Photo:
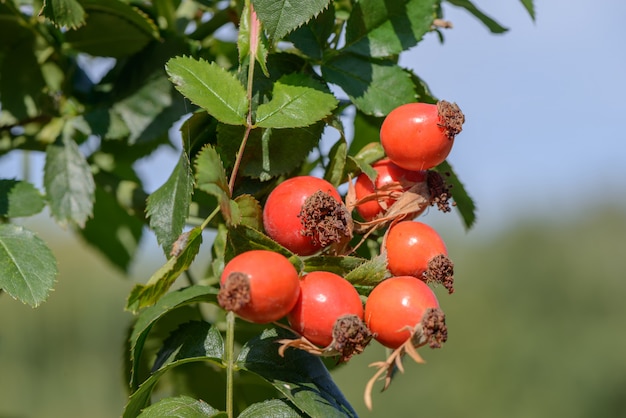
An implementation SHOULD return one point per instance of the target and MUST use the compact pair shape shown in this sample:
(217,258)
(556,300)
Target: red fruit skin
(324,297)
(274,284)
(280,214)
(412,138)
(410,246)
(388,173)
(394,304)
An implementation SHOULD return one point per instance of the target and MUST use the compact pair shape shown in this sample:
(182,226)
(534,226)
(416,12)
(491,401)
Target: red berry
(419,136)
(395,305)
(390,177)
(281,218)
(324,297)
(260,286)
(411,245)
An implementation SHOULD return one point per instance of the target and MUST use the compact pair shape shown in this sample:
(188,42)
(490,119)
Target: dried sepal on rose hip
(419,136)
(305,214)
(259,286)
(416,249)
(404,314)
(328,316)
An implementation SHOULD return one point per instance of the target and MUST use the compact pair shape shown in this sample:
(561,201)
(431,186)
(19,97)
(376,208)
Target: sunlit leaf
(210,87)
(27,266)
(283,16)
(271,408)
(297,100)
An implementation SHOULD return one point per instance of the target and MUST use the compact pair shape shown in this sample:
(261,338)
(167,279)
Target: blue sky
(543,103)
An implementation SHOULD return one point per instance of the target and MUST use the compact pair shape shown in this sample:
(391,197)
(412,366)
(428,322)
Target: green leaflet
(28,268)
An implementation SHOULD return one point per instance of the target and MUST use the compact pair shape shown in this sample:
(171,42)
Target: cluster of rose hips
(307,216)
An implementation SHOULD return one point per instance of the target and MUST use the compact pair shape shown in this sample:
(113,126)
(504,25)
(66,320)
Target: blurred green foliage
(536,330)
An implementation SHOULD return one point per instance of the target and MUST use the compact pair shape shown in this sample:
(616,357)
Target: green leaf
(243,238)
(250,211)
(337,155)
(184,251)
(491,24)
(192,342)
(64,13)
(283,16)
(210,87)
(211,178)
(168,206)
(287,148)
(27,266)
(275,408)
(370,273)
(181,406)
(375,86)
(112,229)
(297,101)
(69,184)
(340,265)
(19,198)
(381,28)
(530,7)
(366,131)
(312,38)
(300,376)
(464,203)
(148,317)
(133,29)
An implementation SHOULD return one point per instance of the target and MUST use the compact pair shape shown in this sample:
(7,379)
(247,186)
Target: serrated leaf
(464,203)
(530,7)
(312,39)
(375,86)
(152,314)
(19,198)
(112,230)
(297,101)
(369,273)
(287,148)
(380,28)
(183,254)
(250,211)
(491,24)
(211,178)
(243,238)
(275,408)
(69,184)
(192,342)
(168,206)
(133,29)
(300,376)
(279,17)
(27,267)
(180,406)
(211,87)
(64,13)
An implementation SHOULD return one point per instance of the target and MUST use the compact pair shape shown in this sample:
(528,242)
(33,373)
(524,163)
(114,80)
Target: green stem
(229,358)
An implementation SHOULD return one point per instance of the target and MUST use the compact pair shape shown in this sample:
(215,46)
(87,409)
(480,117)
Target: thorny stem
(229,355)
